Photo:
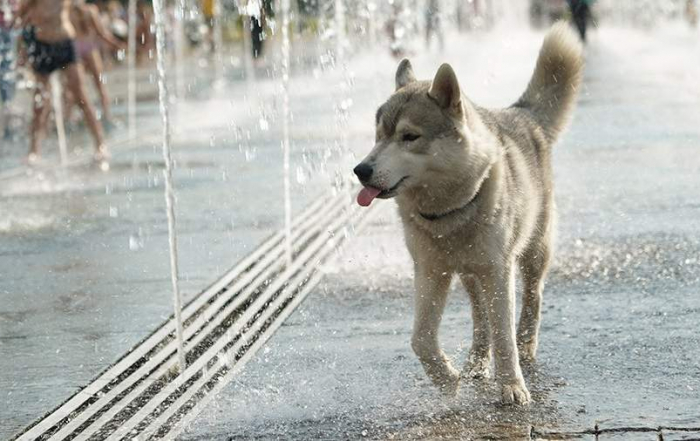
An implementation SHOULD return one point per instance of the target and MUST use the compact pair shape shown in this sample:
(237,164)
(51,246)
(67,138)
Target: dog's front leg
(499,290)
(478,362)
(432,285)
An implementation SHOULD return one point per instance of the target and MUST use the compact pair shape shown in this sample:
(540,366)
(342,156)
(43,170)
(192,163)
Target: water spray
(168,172)
(131,70)
(285,133)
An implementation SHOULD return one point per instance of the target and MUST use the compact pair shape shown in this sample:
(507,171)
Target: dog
(474,193)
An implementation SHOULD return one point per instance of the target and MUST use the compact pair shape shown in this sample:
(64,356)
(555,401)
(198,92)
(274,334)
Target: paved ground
(85,275)
(84,270)
(620,344)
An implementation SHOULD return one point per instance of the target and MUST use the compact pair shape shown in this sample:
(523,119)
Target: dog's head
(423,139)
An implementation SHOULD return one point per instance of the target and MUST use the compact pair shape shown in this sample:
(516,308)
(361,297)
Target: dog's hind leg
(432,286)
(534,264)
(479,359)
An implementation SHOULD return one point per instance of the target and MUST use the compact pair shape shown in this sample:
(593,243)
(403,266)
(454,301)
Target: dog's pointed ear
(445,89)
(404,74)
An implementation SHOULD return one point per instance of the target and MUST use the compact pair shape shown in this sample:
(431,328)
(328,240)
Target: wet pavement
(620,346)
(85,270)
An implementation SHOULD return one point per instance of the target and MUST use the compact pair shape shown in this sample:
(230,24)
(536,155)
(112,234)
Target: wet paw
(477,368)
(448,382)
(515,393)
(527,352)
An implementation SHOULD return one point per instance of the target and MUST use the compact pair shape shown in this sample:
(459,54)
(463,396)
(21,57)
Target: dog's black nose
(364,171)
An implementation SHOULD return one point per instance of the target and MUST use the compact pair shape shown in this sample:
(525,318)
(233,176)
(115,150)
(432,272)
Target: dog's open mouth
(368,194)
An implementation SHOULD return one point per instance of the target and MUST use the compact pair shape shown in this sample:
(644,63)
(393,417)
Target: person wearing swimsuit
(49,40)
(89,31)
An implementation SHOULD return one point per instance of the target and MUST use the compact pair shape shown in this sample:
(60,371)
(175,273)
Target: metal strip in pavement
(192,410)
(240,327)
(195,332)
(51,422)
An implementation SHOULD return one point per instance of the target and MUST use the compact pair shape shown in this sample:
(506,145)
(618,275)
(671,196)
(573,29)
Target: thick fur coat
(474,192)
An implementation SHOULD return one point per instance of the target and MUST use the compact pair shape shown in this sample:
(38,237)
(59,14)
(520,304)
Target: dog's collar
(438,216)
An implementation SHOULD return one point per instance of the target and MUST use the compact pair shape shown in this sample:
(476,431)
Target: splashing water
(285,133)
(158,11)
(131,62)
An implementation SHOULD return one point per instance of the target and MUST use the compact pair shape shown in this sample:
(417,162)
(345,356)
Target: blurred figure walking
(258,11)
(49,38)
(89,32)
(580,11)
(8,65)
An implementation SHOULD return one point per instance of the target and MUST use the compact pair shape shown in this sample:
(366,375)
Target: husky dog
(474,193)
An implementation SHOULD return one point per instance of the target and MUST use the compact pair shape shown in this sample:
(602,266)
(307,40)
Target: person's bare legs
(93,64)
(76,85)
(41,107)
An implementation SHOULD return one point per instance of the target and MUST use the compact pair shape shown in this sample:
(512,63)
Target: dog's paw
(448,382)
(477,368)
(515,393)
(449,389)
(527,352)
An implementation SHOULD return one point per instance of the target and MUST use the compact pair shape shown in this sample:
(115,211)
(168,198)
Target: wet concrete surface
(620,345)
(84,269)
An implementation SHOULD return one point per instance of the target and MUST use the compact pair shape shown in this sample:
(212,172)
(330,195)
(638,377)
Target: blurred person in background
(113,16)
(580,12)
(89,33)
(145,39)
(691,13)
(49,38)
(257,25)
(8,64)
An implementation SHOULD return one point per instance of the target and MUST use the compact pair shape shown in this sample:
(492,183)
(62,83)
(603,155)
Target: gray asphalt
(620,343)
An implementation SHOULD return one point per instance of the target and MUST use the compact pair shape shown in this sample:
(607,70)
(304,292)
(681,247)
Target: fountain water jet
(131,63)
(158,10)
(285,133)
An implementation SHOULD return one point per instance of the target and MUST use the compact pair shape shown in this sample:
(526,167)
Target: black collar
(434,217)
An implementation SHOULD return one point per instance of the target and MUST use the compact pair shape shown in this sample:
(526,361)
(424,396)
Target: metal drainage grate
(142,395)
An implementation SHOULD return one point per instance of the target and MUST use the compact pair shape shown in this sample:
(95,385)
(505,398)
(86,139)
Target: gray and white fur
(474,193)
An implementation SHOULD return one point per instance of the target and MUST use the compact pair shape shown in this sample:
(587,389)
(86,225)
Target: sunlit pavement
(85,272)
(620,346)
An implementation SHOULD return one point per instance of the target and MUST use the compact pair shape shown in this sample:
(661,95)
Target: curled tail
(553,87)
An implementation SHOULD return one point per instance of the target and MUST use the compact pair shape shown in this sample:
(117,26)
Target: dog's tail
(554,84)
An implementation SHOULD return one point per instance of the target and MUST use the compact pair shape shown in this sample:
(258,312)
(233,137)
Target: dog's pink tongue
(367,195)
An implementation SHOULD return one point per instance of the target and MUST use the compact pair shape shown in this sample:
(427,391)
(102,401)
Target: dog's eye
(408,137)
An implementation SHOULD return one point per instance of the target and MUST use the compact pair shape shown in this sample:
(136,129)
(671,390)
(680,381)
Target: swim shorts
(46,58)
